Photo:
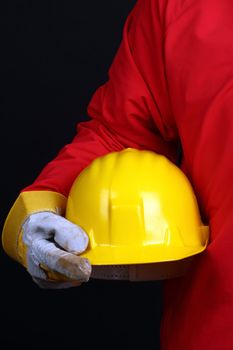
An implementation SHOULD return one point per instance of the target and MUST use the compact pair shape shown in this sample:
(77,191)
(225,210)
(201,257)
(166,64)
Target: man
(170,82)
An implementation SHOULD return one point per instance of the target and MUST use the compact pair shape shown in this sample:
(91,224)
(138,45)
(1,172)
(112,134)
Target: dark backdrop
(55,54)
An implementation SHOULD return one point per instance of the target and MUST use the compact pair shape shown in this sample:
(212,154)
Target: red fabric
(172,80)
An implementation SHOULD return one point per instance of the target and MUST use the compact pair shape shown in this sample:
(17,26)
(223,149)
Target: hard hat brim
(116,255)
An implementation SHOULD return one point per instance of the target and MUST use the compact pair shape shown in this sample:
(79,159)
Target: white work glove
(52,244)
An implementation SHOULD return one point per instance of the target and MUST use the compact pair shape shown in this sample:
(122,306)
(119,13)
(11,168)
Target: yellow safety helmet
(137,207)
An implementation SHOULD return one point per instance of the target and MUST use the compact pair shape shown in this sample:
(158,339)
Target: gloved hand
(52,244)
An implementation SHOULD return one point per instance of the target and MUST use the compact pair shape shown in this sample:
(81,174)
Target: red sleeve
(127,111)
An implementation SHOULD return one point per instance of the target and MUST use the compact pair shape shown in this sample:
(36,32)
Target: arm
(130,110)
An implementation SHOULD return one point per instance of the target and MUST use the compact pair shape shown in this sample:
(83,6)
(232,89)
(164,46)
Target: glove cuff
(26,204)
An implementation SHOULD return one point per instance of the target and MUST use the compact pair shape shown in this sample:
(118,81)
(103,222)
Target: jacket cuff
(26,204)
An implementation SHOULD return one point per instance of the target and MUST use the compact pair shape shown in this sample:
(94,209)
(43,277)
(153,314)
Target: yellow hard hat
(137,207)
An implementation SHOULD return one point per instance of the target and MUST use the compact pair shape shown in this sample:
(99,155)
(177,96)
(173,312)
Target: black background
(55,54)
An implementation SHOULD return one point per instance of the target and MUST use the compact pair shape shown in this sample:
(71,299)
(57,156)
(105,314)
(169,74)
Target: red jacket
(172,81)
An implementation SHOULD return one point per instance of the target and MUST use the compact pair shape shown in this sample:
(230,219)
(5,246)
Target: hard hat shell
(137,207)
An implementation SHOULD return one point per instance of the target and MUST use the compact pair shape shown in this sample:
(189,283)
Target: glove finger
(68,264)
(67,235)
(70,237)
